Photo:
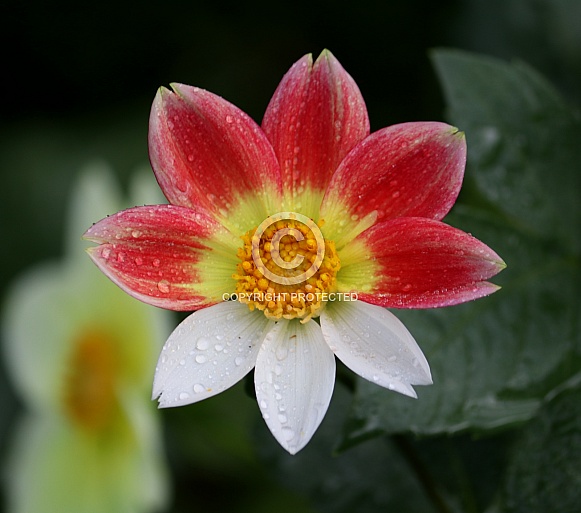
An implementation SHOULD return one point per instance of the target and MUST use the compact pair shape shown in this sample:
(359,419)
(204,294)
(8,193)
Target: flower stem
(424,477)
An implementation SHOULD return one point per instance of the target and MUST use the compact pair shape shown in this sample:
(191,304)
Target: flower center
(89,394)
(288,269)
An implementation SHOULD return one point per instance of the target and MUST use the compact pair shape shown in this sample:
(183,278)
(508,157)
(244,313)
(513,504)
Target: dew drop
(199,388)
(407,287)
(163,286)
(392,358)
(202,344)
(138,261)
(184,396)
(229,119)
(106,253)
(282,418)
(239,360)
(201,358)
(281,353)
(156,262)
(288,433)
(277,369)
(395,194)
(263,404)
(219,347)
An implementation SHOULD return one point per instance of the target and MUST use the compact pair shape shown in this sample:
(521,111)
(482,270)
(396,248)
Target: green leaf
(494,360)
(523,141)
(544,474)
(373,477)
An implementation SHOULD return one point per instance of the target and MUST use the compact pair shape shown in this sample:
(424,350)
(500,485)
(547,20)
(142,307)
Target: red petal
(206,152)
(151,253)
(316,116)
(411,170)
(425,263)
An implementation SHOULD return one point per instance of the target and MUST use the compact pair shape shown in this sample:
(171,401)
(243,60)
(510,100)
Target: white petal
(208,352)
(294,379)
(373,342)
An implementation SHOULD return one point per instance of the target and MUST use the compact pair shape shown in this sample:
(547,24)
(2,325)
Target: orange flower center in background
(287,268)
(89,391)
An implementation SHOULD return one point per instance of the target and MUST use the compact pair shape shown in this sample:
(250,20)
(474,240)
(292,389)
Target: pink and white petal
(405,170)
(166,256)
(207,152)
(315,117)
(294,380)
(374,343)
(422,263)
(210,351)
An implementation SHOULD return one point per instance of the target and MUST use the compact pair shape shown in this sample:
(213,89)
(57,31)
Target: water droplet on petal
(163,286)
(136,233)
(201,358)
(198,388)
(281,353)
(184,396)
(239,361)
(202,344)
(156,262)
(288,433)
(282,418)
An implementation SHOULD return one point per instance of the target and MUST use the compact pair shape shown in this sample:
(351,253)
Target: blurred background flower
(499,429)
(81,358)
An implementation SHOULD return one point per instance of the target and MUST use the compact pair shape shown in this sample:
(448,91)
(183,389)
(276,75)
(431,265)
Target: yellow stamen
(276,298)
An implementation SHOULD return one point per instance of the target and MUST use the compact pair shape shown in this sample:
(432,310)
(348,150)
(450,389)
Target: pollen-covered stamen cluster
(291,273)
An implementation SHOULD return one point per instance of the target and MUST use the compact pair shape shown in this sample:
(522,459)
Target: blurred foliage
(80,80)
